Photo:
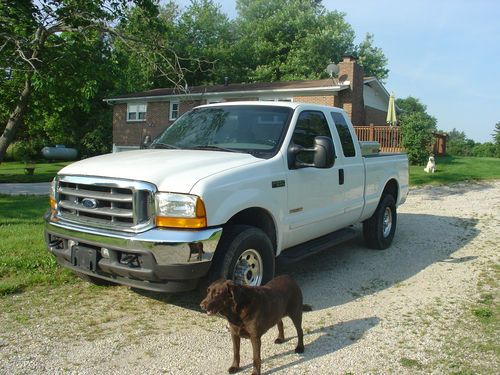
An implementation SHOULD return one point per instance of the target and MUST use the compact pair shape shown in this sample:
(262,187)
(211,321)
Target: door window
(310,124)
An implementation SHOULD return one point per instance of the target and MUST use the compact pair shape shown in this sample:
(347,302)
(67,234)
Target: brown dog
(251,311)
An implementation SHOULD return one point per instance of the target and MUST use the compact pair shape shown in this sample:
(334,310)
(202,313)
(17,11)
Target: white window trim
(137,119)
(171,110)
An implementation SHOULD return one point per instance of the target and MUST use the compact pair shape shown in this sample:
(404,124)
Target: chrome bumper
(163,255)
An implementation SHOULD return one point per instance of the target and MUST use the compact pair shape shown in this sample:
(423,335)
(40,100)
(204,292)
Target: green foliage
(283,40)
(485,150)
(411,105)
(458,144)
(92,50)
(372,59)
(496,139)
(417,129)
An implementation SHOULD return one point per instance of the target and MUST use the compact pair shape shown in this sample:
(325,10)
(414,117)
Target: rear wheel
(245,255)
(379,229)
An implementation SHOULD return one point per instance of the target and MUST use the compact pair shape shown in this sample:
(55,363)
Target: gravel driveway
(383,312)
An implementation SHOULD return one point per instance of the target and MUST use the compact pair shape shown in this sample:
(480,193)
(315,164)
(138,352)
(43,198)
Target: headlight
(52,194)
(180,211)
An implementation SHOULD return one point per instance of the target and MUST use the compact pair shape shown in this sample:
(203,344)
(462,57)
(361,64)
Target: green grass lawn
(451,169)
(24,260)
(44,172)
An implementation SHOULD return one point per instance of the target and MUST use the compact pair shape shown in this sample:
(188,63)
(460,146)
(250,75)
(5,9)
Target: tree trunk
(16,117)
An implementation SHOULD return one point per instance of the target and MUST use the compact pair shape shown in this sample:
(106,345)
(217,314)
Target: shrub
(417,129)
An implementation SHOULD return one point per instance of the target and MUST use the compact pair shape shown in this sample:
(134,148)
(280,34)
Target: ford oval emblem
(89,203)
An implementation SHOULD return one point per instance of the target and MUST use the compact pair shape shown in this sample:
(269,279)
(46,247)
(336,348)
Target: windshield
(247,128)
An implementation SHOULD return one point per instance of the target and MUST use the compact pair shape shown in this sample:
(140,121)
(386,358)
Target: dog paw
(279,341)
(299,349)
(233,370)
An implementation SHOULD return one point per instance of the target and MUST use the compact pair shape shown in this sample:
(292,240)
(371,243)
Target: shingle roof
(232,87)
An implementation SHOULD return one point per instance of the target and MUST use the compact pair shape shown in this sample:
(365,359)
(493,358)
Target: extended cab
(225,191)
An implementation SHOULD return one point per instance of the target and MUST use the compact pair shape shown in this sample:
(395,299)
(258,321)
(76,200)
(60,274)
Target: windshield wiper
(213,148)
(163,145)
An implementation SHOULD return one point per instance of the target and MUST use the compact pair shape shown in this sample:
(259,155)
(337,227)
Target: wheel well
(391,188)
(259,218)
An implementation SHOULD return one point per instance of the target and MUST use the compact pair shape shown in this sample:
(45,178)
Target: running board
(299,252)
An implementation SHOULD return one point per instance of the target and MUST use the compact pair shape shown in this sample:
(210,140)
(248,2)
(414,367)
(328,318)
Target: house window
(174,111)
(136,112)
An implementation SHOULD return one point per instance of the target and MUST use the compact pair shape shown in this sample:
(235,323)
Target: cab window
(310,124)
(344,134)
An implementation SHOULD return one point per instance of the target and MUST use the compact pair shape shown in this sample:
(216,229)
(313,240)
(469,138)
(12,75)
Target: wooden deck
(389,137)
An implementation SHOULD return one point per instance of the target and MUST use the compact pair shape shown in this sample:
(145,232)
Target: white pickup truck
(225,191)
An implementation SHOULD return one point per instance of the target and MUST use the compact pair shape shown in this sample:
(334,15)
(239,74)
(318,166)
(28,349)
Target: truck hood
(170,170)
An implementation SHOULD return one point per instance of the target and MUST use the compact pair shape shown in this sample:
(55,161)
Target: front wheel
(379,229)
(245,255)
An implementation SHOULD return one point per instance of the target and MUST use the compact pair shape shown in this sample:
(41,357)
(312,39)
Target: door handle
(341,176)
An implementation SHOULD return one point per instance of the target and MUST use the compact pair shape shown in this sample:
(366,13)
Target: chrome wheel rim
(249,268)
(387,222)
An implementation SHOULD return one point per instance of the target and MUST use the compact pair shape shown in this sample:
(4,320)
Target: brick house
(149,112)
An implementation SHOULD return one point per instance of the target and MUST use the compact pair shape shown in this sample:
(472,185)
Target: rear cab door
(352,172)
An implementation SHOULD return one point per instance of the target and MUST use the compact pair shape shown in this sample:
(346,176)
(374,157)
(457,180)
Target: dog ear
(239,295)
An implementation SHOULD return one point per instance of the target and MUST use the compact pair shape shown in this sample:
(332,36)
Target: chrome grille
(107,203)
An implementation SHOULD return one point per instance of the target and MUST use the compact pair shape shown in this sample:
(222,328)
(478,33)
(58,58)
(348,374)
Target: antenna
(332,69)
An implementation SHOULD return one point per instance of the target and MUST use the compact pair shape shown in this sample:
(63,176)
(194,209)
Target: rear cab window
(344,134)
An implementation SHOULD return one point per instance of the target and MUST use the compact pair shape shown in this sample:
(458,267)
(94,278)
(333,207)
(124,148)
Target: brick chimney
(351,99)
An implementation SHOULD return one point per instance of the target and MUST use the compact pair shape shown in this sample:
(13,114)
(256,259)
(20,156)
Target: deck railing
(389,137)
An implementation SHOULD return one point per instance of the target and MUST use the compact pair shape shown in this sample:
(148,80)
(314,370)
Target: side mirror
(323,154)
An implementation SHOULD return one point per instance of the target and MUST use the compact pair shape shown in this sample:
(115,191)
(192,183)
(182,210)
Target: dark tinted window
(310,124)
(344,134)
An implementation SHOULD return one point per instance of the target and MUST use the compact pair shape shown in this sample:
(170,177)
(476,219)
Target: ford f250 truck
(225,191)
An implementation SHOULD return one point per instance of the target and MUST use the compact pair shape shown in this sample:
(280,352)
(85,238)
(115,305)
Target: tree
(281,40)
(417,129)
(32,31)
(372,58)
(484,150)
(411,105)
(496,139)
(206,35)
(458,144)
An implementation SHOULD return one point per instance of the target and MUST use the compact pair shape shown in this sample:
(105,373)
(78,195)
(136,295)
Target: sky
(445,53)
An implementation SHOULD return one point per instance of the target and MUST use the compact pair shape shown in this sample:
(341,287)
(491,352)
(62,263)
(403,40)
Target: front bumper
(160,260)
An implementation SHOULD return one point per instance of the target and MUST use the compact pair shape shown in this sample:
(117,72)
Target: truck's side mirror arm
(324,154)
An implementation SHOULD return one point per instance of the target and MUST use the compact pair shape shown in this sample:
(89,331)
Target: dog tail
(307,308)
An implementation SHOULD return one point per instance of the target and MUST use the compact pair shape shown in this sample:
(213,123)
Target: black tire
(245,255)
(94,280)
(379,229)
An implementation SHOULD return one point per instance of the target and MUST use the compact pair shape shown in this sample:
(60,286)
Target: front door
(315,200)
